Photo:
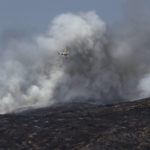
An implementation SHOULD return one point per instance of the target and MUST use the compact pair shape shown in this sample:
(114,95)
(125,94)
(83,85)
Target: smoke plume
(102,66)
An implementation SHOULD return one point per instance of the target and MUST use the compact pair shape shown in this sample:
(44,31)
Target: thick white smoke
(99,67)
(31,72)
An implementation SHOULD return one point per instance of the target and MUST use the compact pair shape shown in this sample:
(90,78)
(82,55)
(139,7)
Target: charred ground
(78,126)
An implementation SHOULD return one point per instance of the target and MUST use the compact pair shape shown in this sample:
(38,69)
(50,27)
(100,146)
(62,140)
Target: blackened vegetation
(78,126)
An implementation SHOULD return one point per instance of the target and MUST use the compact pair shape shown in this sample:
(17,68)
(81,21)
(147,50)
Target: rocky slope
(78,126)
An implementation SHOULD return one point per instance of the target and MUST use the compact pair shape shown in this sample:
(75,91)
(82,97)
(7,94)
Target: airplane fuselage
(65,53)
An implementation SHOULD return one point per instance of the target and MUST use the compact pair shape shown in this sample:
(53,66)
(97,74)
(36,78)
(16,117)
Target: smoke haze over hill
(103,65)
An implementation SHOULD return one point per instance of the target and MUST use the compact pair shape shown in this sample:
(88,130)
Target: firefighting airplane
(64,53)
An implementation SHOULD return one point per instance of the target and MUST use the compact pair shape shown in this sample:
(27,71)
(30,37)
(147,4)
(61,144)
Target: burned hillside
(78,126)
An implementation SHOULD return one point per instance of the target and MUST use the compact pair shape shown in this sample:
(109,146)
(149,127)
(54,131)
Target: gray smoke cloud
(102,66)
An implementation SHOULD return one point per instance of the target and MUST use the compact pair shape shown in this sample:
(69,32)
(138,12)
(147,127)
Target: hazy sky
(37,14)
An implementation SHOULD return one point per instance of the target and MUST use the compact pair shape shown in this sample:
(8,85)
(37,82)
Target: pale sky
(37,14)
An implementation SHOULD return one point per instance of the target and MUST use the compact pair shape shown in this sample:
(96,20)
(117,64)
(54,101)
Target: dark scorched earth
(78,126)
